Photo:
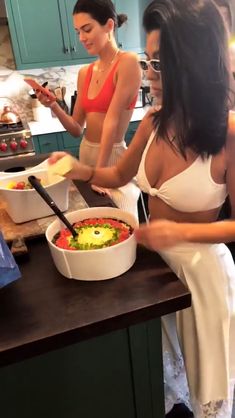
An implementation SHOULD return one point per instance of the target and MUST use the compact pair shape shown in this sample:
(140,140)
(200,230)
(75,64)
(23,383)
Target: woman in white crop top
(183,155)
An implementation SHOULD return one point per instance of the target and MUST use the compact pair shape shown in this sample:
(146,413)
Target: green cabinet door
(131,35)
(36,144)
(43,35)
(39,31)
(46,143)
(68,143)
(131,131)
(117,375)
(61,141)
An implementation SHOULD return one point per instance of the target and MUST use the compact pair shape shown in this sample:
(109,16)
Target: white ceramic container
(100,264)
(42,165)
(26,205)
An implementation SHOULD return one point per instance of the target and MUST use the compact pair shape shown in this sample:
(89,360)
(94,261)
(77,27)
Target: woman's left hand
(101,190)
(160,234)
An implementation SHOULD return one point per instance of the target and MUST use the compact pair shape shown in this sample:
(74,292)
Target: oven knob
(23,143)
(3,146)
(13,145)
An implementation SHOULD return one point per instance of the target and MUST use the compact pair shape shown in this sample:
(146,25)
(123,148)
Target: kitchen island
(85,349)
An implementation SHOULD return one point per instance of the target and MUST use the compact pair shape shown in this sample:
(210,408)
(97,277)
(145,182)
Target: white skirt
(199,342)
(125,197)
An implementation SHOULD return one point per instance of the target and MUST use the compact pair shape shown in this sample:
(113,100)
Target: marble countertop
(53,125)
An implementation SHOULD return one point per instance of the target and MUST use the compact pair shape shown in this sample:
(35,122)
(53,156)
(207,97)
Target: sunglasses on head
(154,64)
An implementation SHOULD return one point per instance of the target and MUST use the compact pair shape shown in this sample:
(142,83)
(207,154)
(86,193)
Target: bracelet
(91,175)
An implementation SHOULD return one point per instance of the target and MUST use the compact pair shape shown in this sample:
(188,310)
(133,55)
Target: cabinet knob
(66,50)
(73,48)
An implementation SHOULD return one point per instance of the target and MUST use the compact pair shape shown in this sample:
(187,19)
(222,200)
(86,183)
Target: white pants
(199,342)
(125,197)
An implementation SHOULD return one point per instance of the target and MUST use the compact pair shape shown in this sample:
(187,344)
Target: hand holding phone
(37,87)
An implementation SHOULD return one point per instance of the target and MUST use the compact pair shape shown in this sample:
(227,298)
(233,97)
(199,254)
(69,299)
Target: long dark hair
(100,10)
(195,73)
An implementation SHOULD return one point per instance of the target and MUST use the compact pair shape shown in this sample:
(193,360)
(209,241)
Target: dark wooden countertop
(43,310)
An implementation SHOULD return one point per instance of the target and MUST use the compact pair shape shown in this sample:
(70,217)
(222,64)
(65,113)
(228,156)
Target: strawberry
(20,185)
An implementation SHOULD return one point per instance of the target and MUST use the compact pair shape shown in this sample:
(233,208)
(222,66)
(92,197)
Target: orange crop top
(101,102)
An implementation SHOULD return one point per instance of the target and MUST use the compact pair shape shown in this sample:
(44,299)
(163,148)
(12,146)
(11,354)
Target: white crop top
(192,190)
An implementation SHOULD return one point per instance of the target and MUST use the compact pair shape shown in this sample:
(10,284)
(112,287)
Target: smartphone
(36,86)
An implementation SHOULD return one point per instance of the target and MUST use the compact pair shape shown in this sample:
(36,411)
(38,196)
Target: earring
(109,37)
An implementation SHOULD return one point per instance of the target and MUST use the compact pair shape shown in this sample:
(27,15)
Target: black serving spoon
(43,193)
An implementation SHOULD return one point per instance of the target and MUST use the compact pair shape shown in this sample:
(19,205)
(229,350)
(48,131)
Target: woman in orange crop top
(183,154)
(107,92)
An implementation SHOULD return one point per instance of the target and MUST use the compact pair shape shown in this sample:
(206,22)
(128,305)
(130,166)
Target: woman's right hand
(56,156)
(77,170)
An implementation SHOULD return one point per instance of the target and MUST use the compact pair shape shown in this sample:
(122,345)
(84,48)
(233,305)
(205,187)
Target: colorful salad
(20,185)
(93,233)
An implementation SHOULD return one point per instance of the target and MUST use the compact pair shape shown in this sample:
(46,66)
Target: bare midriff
(160,210)
(95,121)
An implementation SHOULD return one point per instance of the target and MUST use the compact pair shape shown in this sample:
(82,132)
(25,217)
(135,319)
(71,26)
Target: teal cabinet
(130,35)
(116,375)
(46,143)
(61,141)
(42,33)
(36,144)
(131,131)
(68,143)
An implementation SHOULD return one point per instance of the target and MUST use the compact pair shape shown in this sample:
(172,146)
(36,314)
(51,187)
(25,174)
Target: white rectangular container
(26,205)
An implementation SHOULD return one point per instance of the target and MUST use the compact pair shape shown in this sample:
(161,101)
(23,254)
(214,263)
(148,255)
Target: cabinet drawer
(48,143)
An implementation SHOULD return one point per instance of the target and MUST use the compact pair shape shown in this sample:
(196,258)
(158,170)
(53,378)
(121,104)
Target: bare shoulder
(231,130)
(146,126)
(129,59)
(151,111)
(230,140)
(128,71)
(231,121)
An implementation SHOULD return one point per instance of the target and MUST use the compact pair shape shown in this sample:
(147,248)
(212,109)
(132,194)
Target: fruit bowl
(94,264)
(25,204)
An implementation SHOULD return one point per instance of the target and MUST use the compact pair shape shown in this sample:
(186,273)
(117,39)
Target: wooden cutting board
(35,228)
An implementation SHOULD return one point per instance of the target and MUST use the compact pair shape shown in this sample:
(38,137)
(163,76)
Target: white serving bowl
(40,166)
(100,264)
(26,205)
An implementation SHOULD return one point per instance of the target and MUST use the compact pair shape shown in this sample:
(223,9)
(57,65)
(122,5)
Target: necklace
(102,70)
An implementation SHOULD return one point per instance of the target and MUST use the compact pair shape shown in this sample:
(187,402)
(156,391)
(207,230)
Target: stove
(15,138)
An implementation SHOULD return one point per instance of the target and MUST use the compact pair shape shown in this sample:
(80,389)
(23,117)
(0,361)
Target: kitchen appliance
(15,135)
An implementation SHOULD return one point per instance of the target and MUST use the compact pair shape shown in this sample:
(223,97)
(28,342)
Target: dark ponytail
(100,10)
(121,18)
